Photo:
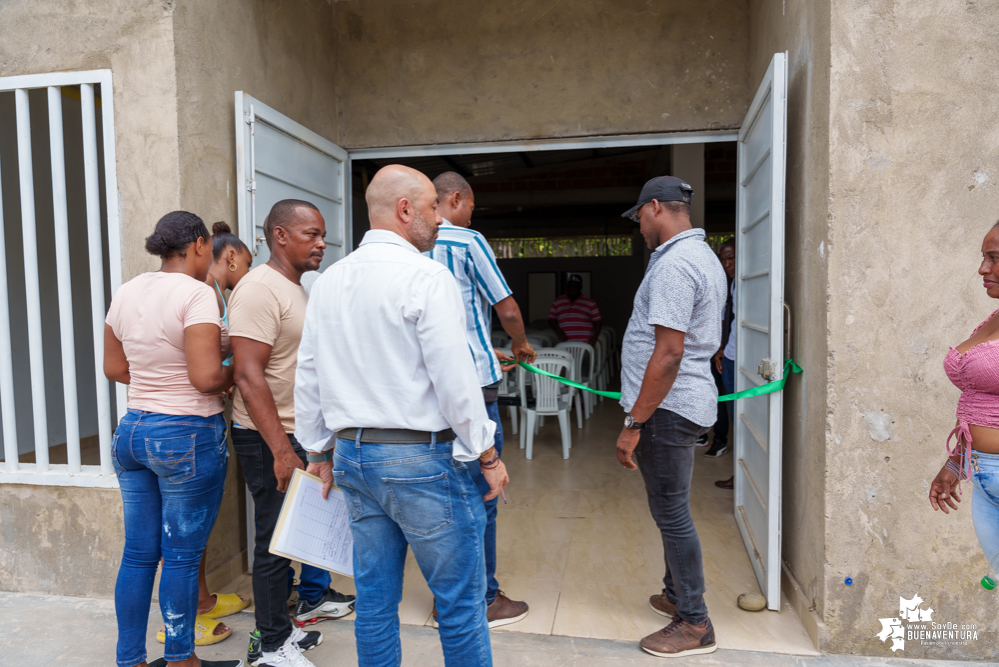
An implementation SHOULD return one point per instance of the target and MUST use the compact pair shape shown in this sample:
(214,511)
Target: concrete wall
(913,189)
(60,540)
(278,51)
(801,27)
(134,38)
(461,70)
(282,54)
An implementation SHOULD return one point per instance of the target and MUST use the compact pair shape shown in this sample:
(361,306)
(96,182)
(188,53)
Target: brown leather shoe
(726,483)
(504,611)
(681,638)
(662,606)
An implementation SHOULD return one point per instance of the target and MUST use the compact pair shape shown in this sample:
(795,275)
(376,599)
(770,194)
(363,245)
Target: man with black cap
(670,397)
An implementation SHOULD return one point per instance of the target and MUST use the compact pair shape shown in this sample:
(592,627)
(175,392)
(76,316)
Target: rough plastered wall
(913,188)
(60,540)
(281,53)
(68,540)
(801,27)
(462,70)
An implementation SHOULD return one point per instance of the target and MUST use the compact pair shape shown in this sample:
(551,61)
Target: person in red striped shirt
(574,316)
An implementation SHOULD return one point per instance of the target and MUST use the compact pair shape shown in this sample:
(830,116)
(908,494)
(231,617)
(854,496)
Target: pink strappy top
(976,374)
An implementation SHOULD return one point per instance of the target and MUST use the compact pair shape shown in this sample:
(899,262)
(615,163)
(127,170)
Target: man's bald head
(404,201)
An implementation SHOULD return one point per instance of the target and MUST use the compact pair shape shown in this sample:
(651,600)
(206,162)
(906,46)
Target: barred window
(574,246)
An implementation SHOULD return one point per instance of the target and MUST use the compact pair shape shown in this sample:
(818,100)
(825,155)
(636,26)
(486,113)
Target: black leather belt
(395,436)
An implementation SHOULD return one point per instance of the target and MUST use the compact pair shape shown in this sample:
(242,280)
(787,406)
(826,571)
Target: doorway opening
(576,540)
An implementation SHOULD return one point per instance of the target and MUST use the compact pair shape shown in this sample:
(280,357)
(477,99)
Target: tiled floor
(577,542)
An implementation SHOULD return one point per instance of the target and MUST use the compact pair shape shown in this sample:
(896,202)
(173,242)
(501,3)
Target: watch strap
(321,457)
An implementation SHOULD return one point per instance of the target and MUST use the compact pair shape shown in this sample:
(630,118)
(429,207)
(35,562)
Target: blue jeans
(492,586)
(415,495)
(985,501)
(171,470)
(312,583)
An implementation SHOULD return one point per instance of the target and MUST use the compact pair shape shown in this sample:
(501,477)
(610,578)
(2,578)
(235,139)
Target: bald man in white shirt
(385,365)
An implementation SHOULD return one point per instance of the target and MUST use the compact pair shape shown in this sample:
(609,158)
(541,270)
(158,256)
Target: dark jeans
(270,572)
(492,586)
(665,455)
(171,470)
(721,421)
(728,377)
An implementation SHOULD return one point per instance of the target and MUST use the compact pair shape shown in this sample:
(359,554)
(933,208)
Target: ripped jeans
(985,500)
(171,470)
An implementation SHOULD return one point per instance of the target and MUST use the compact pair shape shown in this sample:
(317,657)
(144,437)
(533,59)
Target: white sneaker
(289,655)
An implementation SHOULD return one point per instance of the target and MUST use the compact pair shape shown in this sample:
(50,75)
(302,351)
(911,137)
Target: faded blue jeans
(171,470)
(416,496)
(985,501)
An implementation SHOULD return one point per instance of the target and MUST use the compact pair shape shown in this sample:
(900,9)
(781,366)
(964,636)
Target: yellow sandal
(227,604)
(204,632)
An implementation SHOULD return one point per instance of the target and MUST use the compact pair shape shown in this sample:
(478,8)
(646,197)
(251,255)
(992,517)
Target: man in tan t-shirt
(266,316)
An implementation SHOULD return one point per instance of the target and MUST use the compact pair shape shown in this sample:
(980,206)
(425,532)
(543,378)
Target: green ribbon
(768,388)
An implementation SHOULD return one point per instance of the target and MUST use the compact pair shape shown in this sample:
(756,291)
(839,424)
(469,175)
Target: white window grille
(56,152)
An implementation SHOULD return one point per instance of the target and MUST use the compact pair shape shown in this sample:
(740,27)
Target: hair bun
(220,227)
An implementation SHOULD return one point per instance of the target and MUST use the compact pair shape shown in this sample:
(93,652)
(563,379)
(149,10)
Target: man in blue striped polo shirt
(470,259)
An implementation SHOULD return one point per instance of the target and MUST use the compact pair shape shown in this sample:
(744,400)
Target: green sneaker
(256,648)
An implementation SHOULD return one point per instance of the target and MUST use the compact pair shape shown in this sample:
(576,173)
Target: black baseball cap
(661,188)
(575,278)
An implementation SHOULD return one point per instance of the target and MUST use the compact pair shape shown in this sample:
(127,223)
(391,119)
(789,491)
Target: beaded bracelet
(490,464)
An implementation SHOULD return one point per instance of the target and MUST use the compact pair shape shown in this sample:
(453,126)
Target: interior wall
(801,27)
(460,70)
(913,190)
(280,52)
(613,280)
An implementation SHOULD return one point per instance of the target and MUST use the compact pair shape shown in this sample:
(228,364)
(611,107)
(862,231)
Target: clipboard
(312,530)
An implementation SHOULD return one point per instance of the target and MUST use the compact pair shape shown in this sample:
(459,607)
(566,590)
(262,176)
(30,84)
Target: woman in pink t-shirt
(163,338)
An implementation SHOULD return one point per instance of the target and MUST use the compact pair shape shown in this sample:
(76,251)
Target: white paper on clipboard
(312,530)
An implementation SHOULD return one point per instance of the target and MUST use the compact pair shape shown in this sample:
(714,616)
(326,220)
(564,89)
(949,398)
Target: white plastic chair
(537,340)
(598,373)
(508,388)
(549,399)
(580,351)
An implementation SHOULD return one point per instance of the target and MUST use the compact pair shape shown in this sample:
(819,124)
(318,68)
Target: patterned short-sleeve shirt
(683,289)
(466,253)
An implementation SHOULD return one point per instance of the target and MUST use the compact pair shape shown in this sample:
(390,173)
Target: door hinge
(248,118)
(767,370)
(251,185)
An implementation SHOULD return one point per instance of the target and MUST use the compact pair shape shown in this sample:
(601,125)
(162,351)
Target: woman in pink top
(163,338)
(974,367)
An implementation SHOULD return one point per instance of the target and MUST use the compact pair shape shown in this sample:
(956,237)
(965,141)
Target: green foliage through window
(574,246)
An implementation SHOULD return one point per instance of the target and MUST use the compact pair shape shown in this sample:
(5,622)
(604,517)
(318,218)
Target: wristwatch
(629,422)
(321,457)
